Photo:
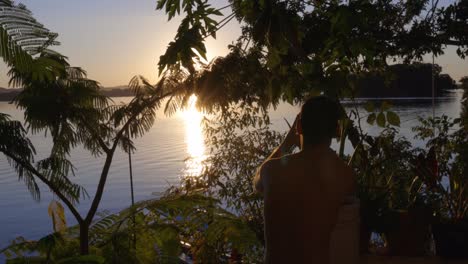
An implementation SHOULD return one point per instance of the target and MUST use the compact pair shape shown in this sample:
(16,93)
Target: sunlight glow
(194,139)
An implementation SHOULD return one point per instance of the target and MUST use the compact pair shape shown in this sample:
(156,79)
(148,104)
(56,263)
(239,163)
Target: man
(303,191)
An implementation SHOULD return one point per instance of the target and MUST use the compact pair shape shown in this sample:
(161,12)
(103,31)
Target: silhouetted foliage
(446,182)
(164,228)
(291,49)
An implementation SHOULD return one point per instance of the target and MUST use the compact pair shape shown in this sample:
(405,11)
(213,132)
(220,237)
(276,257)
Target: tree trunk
(84,239)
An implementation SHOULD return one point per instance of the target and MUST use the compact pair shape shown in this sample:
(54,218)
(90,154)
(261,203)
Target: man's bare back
(302,193)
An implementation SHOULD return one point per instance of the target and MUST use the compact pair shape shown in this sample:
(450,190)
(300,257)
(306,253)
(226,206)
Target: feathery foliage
(162,228)
(14,143)
(24,42)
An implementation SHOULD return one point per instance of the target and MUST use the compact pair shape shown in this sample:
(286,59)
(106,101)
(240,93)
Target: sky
(114,40)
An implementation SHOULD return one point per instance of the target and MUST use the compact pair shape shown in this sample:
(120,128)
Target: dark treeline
(405,80)
(401,80)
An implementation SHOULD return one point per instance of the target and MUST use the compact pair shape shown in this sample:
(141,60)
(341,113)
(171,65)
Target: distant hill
(6,90)
(8,94)
(117,91)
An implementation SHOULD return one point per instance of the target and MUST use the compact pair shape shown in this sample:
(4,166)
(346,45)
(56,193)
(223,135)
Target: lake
(160,161)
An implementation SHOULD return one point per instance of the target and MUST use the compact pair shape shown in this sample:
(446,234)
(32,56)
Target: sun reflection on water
(194,139)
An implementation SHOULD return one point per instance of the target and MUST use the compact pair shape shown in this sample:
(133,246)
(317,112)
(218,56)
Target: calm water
(160,160)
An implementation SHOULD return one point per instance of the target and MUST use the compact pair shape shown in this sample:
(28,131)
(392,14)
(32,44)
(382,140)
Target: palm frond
(23,31)
(68,107)
(17,147)
(56,170)
(172,105)
(76,73)
(138,116)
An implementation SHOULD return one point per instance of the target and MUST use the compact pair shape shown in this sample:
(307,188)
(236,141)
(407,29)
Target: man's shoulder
(273,165)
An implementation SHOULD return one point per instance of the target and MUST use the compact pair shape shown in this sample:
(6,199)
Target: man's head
(319,120)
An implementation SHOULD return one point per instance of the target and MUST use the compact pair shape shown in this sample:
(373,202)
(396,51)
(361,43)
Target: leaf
(371,119)
(21,35)
(168,240)
(385,106)
(381,119)
(370,107)
(393,118)
(57,213)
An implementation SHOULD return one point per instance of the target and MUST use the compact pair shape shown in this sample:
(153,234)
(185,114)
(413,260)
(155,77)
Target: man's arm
(258,179)
(291,140)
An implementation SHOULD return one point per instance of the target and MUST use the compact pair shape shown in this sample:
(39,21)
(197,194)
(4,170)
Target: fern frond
(22,30)
(17,147)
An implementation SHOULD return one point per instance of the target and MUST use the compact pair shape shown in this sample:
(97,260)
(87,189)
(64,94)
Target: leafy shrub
(446,177)
(386,180)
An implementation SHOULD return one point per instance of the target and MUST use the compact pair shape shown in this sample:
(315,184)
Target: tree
(464,82)
(405,80)
(297,48)
(74,112)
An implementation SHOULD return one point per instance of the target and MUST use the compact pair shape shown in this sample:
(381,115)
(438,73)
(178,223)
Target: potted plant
(444,170)
(388,190)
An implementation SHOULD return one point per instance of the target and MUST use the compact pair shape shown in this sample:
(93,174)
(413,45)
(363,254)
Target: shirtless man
(303,191)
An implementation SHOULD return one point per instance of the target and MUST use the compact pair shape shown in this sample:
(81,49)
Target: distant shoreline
(7,95)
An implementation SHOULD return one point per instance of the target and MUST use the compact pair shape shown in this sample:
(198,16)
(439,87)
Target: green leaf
(381,119)
(371,119)
(393,118)
(370,107)
(160,4)
(273,59)
(385,106)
